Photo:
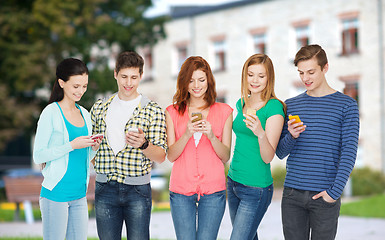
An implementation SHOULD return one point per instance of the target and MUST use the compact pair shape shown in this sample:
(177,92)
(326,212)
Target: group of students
(125,132)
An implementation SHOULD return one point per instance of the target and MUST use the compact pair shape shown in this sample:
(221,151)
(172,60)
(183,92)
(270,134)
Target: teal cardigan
(52,145)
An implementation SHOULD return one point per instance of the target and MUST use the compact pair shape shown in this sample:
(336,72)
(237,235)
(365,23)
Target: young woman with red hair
(199,146)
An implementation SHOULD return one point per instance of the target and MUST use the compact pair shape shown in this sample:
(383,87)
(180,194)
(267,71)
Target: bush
(278,174)
(366,181)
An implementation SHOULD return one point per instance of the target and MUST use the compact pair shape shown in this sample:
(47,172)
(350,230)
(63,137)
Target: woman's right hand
(82,142)
(192,127)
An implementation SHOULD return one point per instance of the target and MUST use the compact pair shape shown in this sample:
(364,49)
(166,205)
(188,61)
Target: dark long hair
(66,68)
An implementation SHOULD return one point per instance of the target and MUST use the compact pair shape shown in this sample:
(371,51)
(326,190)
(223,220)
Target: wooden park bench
(27,189)
(21,189)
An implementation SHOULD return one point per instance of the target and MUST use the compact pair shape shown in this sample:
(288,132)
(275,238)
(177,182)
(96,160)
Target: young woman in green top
(257,127)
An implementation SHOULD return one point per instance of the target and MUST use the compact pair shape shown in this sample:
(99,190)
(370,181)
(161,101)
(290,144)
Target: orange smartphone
(251,112)
(196,114)
(296,117)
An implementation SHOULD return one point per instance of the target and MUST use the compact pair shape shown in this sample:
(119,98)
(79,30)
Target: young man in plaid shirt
(134,132)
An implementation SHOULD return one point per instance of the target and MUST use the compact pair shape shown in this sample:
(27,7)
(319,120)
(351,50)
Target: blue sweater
(323,156)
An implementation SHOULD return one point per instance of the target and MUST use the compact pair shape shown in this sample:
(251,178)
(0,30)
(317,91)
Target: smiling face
(198,84)
(128,81)
(256,78)
(75,87)
(312,75)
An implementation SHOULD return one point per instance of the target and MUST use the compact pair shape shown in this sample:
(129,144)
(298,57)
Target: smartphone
(97,136)
(296,117)
(251,111)
(133,130)
(196,114)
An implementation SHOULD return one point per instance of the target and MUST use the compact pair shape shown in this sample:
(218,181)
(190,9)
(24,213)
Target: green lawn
(367,207)
(36,238)
(7,215)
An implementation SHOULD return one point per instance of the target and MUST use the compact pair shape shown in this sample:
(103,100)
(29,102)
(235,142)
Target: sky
(162,6)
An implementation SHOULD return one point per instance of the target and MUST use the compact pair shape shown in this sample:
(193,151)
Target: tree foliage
(36,34)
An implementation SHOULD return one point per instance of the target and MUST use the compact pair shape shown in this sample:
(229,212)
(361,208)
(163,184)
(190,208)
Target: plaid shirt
(129,162)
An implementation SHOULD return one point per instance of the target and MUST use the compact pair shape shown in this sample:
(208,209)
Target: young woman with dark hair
(64,147)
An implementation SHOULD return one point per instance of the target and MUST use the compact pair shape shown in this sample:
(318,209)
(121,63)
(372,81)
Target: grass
(7,213)
(372,207)
(36,238)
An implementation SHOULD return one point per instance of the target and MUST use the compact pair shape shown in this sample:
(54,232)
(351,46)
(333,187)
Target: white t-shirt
(118,114)
(197,137)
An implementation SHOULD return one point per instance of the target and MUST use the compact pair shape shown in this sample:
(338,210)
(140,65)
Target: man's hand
(325,196)
(135,139)
(294,128)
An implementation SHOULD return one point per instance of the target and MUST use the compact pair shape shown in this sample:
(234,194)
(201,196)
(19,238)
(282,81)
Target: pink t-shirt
(198,170)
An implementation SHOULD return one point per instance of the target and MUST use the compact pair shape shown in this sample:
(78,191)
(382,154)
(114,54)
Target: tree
(36,34)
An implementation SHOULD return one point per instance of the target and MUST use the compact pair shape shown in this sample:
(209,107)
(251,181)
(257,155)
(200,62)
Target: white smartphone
(133,130)
(97,136)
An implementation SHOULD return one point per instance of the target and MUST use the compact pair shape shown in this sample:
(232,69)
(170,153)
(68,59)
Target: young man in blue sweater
(322,150)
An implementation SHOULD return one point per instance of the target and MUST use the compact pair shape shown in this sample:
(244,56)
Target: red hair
(182,95)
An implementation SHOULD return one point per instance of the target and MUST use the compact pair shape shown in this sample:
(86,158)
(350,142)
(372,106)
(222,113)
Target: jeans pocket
(143,190)
(220,193)
(288,192)
(327,204)
(99,187)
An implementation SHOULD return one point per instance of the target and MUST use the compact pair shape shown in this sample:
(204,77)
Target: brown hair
(182,95)
(268,92)
(310,51)
(129,59)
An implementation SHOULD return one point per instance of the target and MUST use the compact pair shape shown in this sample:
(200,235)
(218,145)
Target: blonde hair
(268,92)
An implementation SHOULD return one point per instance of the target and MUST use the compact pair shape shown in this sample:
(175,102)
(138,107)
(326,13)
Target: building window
(259,41)
(148,60)
(219,56)
(182,55)
(351,89)
(148,68)
(302,36)
(221,98)
(298,88)
(148,71)
(349,36)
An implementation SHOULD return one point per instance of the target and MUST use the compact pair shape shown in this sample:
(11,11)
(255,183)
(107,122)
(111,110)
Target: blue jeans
(117,202)
(301,214)
(187,212)
(64,220)
(247,206)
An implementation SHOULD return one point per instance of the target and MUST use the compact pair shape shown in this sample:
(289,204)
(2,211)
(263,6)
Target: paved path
(350,228)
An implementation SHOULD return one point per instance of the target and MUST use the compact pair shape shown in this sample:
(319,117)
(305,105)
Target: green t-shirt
(247,166)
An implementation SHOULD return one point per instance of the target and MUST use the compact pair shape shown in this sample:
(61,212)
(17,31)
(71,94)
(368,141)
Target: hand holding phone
(296,117)
(196,114)
(251,112)
(97,136)
(133,130)
(297,130)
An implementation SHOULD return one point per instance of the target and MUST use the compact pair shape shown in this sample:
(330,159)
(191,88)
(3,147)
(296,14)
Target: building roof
(190,11)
